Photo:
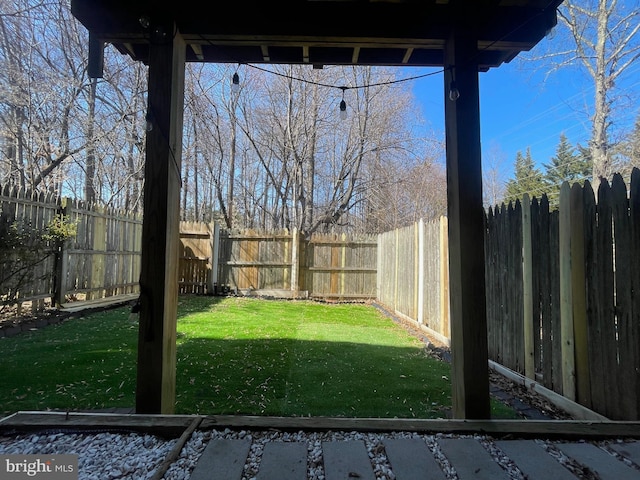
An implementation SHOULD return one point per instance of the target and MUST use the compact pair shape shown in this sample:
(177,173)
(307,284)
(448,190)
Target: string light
(235,83)
(343,106)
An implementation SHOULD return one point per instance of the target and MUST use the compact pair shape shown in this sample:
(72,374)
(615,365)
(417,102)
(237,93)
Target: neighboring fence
(413,274)
(101,260)
(562,291)
(325,266)
(37,210)
(562,294)
(339,267)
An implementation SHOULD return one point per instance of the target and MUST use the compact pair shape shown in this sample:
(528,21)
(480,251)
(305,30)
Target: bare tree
(493,179)
(602,36)
(60,130)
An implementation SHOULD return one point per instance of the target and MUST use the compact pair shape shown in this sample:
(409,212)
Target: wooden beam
(470,371)
(155,392)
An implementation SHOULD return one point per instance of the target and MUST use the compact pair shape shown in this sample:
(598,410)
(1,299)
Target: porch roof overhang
(322,32)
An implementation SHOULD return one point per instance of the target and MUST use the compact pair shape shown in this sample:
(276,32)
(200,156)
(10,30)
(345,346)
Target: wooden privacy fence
(339,267)
(35,210)
(562,294)
(326,266)
(101,260)
(562,290)
(413,274)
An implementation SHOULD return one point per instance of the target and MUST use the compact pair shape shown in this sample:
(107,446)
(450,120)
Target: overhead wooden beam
(156,381)
(470,371)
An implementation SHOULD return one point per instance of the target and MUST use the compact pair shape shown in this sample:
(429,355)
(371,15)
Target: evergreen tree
(528,179)
(630,150)
(566,166)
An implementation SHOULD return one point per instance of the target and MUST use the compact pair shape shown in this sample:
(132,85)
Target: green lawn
(237,356)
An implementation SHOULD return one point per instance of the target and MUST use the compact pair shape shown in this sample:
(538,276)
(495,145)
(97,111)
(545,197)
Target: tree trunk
(90,169)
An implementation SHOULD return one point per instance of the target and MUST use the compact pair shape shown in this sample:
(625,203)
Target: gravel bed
(101,456)
(110,456)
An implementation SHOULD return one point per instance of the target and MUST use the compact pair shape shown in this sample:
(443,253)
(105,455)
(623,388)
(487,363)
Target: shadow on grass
(283,377)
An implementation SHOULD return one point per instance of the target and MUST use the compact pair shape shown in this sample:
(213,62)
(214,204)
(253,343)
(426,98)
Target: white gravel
(101,456)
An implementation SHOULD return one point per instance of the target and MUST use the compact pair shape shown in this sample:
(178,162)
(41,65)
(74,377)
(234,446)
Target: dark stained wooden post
(470,371)
(156,383)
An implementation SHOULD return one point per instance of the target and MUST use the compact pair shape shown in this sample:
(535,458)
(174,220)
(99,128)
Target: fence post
(215,249)
(61,262)
(578,283)
(395,267)
(420,272)
(444,277)
(97,257)
(295,261)
(566,301)
(379,268)
(527,289)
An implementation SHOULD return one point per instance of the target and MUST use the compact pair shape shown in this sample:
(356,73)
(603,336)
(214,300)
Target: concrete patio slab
(347,460)
(283,461)
(596,459)
(533,461)
(411,459)
(222,458)
(471,460)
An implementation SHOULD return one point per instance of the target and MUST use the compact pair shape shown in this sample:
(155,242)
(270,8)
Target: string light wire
(406,79)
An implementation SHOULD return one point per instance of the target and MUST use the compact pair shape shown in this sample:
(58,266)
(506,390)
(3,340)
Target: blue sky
(521,107)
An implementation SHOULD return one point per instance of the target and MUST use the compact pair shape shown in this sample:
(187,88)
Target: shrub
(23,251)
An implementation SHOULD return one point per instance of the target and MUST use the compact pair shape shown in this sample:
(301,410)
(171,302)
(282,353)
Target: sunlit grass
(237,356)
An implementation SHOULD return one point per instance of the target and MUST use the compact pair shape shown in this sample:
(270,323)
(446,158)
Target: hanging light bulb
(235,83)
(343,106)
(343,110)
(454,93)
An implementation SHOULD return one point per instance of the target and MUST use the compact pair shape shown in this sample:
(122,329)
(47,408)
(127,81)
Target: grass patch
(237,356)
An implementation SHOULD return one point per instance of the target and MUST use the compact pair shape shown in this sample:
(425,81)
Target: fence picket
(624,339)
(634,283)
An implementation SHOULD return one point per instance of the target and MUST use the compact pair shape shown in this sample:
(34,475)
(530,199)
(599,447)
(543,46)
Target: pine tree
(566,166)
(630,150)
(528,179)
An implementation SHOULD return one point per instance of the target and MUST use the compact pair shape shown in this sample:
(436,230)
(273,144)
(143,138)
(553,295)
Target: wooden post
(444,278)
(470,369)
(97,259)
(421,271)
(527,290)
(215,251)
(156,381)
(61,262)
(343,262)
(295,261)
(579,297)
(379,267)
(396,252)
(566,300)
